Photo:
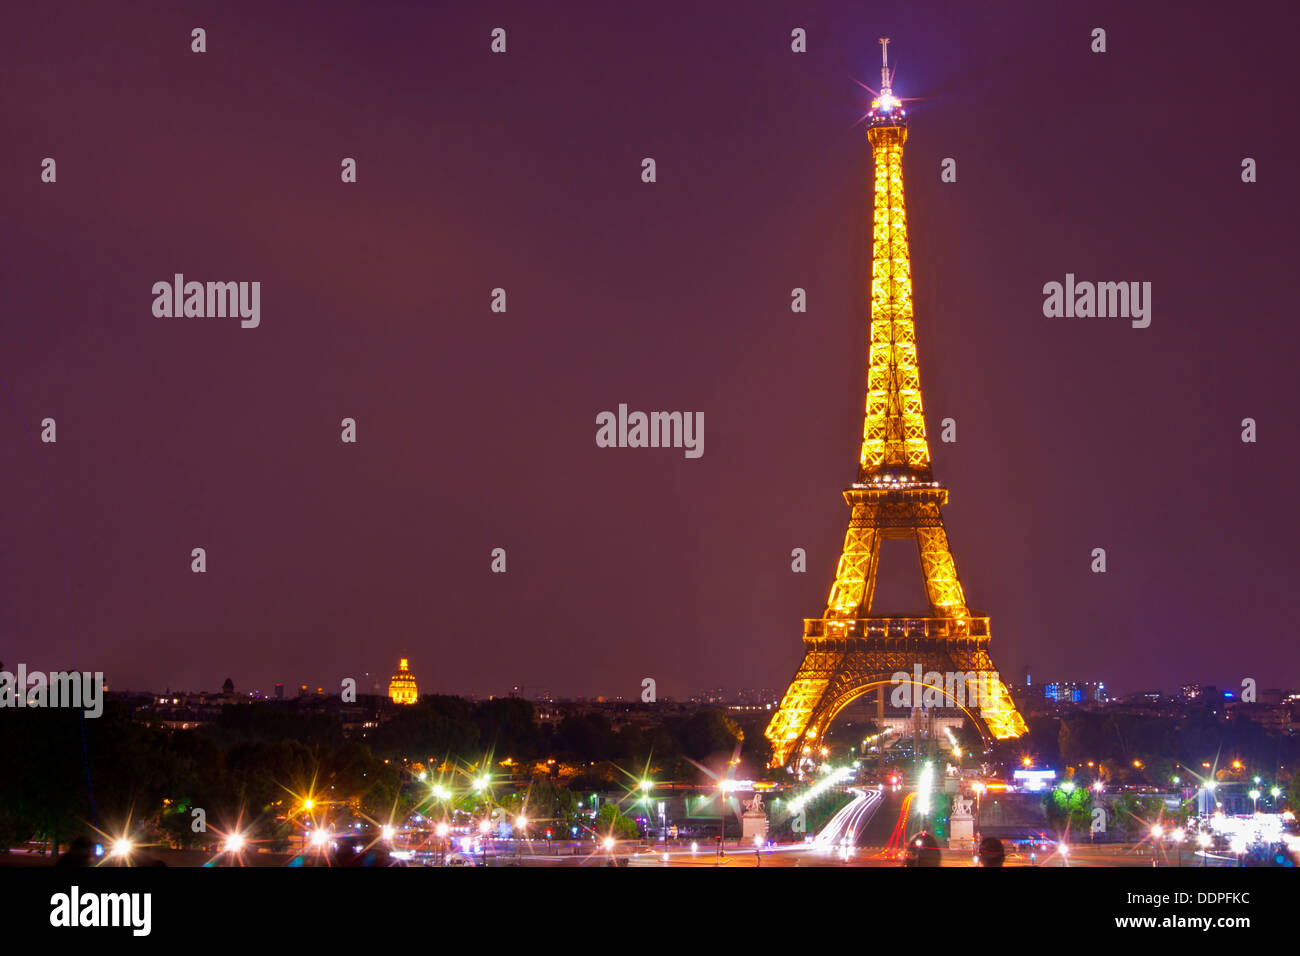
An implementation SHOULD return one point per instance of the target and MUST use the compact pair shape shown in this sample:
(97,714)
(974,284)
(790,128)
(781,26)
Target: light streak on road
(843,828)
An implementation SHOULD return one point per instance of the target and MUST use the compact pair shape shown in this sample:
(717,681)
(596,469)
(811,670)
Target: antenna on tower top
(884,67)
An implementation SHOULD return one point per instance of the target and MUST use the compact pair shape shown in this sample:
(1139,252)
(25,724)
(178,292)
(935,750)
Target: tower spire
(884,68)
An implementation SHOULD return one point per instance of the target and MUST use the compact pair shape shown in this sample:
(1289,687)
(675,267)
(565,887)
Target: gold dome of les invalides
(402,689)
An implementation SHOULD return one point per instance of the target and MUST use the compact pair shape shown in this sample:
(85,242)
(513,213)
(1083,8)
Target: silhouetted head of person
(347,851)
(991,852)
(81,852)
(922,850)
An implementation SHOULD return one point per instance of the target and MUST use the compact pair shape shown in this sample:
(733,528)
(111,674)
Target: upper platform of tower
(886,110)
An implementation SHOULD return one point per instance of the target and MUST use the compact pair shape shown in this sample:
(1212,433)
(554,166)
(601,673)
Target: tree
(610,821)
(1069,811)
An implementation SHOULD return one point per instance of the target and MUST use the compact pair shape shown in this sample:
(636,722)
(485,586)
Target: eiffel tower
(846,650)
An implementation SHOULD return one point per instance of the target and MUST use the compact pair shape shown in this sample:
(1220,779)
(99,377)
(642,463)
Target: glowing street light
(234,843)
(1203,841)
(121,848)
(923,786)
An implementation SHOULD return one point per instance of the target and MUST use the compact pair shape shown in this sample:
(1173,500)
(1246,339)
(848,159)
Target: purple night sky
(476,430)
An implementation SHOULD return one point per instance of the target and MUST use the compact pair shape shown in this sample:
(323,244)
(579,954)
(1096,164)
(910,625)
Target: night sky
(476,430)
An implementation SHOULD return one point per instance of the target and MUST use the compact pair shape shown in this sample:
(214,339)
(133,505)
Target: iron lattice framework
(846,651)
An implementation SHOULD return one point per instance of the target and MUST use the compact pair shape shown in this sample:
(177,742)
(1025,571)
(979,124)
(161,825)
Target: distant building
(402,689)
(228,688)
(1075,692)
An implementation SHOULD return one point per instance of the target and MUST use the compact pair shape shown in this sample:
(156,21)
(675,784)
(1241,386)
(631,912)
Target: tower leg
(941,584)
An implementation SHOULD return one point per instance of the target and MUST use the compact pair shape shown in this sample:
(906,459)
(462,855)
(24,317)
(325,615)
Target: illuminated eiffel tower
(846,651)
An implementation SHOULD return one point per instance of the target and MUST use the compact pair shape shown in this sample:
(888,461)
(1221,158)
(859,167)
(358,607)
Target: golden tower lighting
(847,652)
(402,689)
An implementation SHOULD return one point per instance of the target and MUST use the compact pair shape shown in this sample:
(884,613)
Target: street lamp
(484,827)
(320,838)
(725,787)
(521,824)
(442,830)
(1254,800)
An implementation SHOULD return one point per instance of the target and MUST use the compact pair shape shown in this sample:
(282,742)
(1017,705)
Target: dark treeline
(452,727)
(66,774)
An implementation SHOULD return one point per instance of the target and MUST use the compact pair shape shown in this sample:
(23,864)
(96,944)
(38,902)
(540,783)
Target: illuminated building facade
(402,689)
(1075,692)
(847,652)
